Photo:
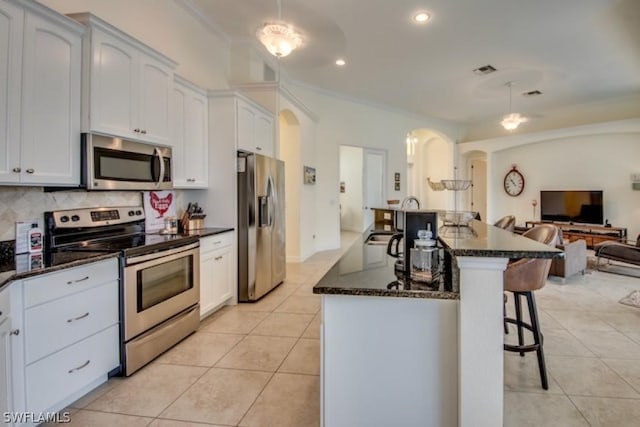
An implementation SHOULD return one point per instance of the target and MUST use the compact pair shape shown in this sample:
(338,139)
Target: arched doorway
(429,155)
(290,153)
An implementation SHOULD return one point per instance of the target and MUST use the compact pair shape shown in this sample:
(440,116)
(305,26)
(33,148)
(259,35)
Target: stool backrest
(506,223)
(529,274)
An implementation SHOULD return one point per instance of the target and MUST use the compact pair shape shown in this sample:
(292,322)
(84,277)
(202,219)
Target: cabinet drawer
(52,326)
(48,287)
(53,379)
(211,243)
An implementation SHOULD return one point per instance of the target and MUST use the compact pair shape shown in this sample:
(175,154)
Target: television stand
(592,234)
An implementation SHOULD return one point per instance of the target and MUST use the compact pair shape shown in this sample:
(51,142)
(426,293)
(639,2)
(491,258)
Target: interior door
(479,187)
(373,183)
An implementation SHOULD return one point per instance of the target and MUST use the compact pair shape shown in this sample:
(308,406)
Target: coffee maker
(408,223)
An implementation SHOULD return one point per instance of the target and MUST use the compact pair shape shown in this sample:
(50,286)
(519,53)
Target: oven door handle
(161,254)
(161,160)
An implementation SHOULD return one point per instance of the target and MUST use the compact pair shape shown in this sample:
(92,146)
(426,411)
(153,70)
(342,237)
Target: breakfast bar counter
(418,354)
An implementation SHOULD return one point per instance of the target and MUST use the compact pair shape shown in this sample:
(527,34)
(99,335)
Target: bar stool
(506,223)
(522,277)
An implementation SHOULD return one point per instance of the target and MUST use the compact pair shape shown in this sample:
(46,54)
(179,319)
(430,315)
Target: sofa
(574,260)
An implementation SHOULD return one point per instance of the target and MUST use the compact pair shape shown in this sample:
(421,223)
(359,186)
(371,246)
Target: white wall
(351,202)
(290,154)
(344,121)
(598,157)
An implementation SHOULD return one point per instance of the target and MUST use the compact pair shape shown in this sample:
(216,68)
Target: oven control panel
(92,217)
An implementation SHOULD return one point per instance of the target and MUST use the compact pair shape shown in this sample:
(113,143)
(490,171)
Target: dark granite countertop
(22,266)
(209,231)
(484,240)
(367,270)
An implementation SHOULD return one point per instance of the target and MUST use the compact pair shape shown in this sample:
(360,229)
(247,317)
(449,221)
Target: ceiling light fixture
(512,120)
(421,17)
(341,62)
(279,38)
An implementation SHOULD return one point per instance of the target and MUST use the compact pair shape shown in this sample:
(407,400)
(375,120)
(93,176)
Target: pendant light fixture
(512,120)
(279,38)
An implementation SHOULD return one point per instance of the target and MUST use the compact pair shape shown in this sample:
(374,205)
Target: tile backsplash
(25,203)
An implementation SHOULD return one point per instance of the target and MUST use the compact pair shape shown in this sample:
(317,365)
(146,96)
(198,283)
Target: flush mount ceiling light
(279,38)
(421,17)
(512,120)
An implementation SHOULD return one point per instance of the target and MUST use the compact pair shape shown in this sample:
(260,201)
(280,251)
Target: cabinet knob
(136,130)
(17,170)
(31,171)
(259,148)
(15,332)
(144,132)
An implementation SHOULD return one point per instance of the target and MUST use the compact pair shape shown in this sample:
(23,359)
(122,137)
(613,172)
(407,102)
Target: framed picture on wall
(309,175)
(397,186)
(396,177)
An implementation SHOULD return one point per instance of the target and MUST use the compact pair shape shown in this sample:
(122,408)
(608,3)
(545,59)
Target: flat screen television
(572,206)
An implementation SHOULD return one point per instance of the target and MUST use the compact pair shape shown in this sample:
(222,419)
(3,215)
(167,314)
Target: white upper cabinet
(129,85)
(189,135)
(40,102)
(254,128)
(11,29)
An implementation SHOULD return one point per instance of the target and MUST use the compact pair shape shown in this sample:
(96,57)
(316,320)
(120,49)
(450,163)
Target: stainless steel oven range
(160,277)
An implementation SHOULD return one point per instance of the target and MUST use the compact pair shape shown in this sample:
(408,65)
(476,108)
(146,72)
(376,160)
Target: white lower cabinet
(62,337)
(70,370)
(217,272)
(6,374)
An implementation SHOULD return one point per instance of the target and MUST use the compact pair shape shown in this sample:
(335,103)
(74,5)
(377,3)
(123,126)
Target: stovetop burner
(119,229)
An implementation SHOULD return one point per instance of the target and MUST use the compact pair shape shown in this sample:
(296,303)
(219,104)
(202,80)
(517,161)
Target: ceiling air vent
(487,69)
(532,93)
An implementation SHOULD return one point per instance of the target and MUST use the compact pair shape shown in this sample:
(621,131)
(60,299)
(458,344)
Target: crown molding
(197,13)
(372,104)
(493,145)
(279,89)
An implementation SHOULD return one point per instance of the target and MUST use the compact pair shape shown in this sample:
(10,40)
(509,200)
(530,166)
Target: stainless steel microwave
(112,163)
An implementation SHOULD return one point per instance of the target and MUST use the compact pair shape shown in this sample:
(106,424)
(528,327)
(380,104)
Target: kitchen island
(405,353)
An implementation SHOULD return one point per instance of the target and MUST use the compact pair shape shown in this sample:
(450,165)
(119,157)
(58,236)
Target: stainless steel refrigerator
(261,234)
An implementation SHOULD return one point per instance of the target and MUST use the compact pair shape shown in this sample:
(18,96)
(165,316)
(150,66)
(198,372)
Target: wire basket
(456,184)
(435,186)
(457,218)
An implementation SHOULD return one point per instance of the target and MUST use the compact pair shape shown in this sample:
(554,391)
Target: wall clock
(513,182)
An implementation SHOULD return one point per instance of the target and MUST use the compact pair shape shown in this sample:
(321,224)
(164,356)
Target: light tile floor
(258,364)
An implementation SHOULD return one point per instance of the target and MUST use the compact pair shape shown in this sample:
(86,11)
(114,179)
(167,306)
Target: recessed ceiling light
(421,17)
(340,62)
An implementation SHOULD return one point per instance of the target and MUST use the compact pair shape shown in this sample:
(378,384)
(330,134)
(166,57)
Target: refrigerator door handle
(270,204)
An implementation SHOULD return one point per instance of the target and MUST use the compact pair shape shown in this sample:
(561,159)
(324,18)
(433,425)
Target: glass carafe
(424,258)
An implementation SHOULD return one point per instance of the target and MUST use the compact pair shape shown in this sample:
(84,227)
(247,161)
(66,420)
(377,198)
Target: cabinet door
(189,138)
(114,96)
(216,279)
(263,127)
(11,25)
(178,111)
(6,401)
(245,122)
(156,84)
(196,137)
(50,151)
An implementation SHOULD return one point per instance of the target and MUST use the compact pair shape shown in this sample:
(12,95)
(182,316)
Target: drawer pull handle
(218,258)
(78,318)
(218,242)
(84,365)
(71,282)
(15,332)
